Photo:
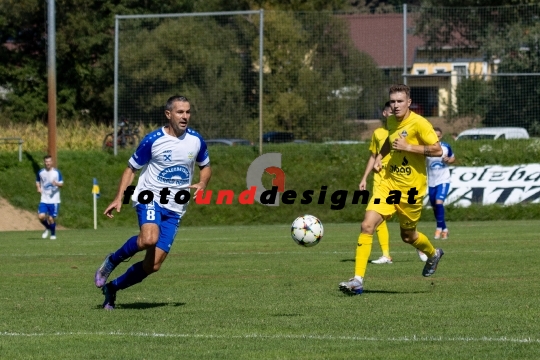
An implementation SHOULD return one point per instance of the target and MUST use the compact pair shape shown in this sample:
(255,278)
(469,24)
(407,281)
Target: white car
(494,133)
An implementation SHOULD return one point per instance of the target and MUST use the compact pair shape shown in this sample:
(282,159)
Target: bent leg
(418,240)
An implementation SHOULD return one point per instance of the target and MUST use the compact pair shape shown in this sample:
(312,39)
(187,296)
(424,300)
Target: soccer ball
(307,230)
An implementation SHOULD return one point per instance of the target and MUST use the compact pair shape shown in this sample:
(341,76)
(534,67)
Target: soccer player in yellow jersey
(411,138)
(377,141)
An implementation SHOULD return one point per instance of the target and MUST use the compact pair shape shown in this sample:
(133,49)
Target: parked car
(494,133)
(227,142)
(278,137)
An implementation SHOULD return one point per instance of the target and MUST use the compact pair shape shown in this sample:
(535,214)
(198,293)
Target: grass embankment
(307,167)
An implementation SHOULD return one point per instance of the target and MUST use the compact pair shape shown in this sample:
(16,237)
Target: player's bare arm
(38,187)
(401,144)
(204,178)
(369,167)
(125,181)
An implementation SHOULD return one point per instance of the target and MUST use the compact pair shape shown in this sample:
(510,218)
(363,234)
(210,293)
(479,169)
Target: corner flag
(95,188)
(95,195)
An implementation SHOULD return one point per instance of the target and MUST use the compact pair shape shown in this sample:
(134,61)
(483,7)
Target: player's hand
(198,188)
(445,159)
(116,204)
(362,185)
(377,166)
(400,143)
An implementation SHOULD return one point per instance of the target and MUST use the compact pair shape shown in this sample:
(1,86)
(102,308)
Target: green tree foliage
(516,97)
(314,68)
(317,81)
(84,55)
(165,57)
(508,39)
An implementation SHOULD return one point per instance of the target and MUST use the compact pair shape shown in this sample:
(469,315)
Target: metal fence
(325,76)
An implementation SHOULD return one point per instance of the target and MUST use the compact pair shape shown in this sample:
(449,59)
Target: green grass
(248,292)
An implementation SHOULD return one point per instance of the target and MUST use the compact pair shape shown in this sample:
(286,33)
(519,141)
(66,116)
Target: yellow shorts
(409,214)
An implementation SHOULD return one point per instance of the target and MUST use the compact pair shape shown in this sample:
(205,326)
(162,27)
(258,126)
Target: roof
(381,36)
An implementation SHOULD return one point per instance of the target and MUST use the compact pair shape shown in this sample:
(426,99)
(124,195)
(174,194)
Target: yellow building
(436,73)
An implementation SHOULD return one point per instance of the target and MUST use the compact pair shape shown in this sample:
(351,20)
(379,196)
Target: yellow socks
(423,244)
(384,239)
(363,250)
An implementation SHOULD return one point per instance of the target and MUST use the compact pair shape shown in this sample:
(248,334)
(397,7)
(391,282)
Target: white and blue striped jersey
(50,194)
(438,171)
(168,161)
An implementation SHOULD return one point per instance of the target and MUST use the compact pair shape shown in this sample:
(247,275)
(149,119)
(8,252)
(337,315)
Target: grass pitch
(249,292)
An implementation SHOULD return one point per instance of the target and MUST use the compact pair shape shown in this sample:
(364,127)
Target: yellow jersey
(377,141)
(406,170)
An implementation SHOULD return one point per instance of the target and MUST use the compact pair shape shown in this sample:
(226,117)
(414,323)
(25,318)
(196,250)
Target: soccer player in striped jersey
(411,138)
(48,182)
(167,158)
(439,183)
(377,141)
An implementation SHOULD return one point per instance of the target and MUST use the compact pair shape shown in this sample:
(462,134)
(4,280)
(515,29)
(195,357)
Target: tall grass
(73,135)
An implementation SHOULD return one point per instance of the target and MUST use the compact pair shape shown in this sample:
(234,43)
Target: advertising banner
(494,184)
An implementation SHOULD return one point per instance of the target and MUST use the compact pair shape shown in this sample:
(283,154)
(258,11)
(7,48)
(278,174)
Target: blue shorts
(51,209)
(168,222)
(439,192)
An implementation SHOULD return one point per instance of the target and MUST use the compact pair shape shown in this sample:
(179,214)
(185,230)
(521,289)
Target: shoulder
(154,135)
(447,146)
(380,132)
(420,120)
(194,133)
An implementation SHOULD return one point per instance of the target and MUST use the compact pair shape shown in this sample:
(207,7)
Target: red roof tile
(381,36)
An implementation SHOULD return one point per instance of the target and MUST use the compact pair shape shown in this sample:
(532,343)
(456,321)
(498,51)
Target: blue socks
(134,275)
(53,229)
(46,224)
(438,209)
(127,250)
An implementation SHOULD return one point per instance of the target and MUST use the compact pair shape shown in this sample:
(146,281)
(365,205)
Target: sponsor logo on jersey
(174,175)
(404,133)
(404,169)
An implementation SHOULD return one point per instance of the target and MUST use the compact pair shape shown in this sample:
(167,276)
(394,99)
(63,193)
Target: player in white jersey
(48,182)
(439,184)
(167,157)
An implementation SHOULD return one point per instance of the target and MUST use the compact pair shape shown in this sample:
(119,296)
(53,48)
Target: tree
(84,55)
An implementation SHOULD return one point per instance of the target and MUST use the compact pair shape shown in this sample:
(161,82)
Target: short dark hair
(172,99)
(387,104)
(47,157)
(436,128)
(400,88)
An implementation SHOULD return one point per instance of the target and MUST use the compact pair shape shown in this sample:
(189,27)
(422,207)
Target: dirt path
(13,219)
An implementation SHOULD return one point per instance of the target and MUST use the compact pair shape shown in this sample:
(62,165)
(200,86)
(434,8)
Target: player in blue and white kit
(167,157)
(48,182)
(439,184)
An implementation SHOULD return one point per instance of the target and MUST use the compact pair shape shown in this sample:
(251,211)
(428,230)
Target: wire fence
(325,76)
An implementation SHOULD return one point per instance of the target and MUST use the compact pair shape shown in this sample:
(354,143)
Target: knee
(368,227)
(146,240)
(408,237)
(41,217)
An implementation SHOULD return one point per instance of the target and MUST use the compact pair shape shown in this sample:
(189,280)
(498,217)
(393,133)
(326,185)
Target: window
(461,71)
(420,71)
